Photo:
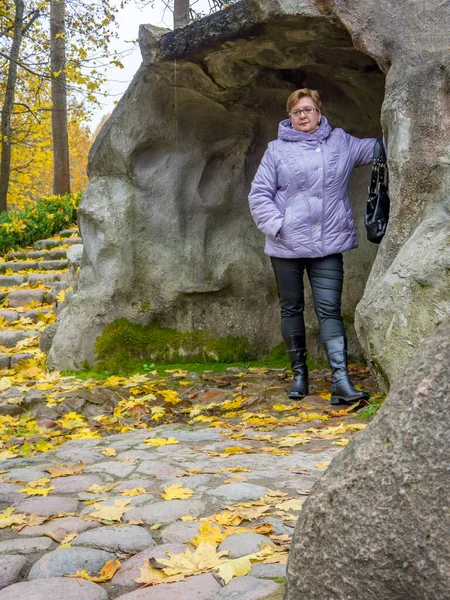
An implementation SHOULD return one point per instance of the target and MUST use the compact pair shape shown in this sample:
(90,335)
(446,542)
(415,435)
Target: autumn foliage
(37,220)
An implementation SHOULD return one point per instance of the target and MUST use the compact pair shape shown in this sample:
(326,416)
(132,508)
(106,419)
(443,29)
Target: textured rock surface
(54,587)
(167,233)
(11,565)
(202,587)
(66,561)
(397,469)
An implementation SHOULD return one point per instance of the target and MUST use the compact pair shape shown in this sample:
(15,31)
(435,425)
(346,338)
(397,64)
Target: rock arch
(167,232)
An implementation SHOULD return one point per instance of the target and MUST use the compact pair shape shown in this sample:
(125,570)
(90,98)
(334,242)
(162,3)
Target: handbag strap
(379,169)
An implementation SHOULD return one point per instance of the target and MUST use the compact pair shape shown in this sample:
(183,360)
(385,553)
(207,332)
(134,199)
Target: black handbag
(377,207)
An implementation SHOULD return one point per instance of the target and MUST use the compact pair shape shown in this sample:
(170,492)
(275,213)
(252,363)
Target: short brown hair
(303,93)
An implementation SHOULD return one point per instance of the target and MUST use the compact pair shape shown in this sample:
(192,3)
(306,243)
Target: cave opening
(256,74)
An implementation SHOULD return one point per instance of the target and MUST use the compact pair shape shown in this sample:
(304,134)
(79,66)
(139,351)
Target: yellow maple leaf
(114,381)
(8,518)
(203,559)
(234,568)
(208,533)
(37,491)
(236,478)
(136,379)
(356,426)
(161,441)
(341,442)
(111,513)
(176,491)
(158,412)
(226,518)
(152,575)
(40,482)
(290,505)
(234,470)
(65,469)
(322,465)
(5,384)
(237,450)
(109,452)
(71,420)
(291,441)
(233,404)
(284,407)
(133,492)
(62,294)
(275,493)
(170,396)
(106,573)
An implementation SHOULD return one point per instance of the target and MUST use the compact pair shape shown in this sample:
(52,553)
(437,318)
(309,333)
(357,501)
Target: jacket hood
(287,133)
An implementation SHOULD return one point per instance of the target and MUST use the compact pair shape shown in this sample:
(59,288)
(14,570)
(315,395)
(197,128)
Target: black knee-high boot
(296,349)
(342,389)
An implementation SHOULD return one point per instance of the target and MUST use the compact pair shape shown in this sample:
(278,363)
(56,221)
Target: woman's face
(305,121)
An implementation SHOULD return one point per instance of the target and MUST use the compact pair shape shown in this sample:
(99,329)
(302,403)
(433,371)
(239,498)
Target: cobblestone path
(107,479)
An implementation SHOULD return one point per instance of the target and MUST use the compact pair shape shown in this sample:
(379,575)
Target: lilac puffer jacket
(299,196)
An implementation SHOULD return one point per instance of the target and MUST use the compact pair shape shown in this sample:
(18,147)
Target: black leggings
(325,276)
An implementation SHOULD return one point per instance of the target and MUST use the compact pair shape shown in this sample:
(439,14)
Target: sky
(129,20)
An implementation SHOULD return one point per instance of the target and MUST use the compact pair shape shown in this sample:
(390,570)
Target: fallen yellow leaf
(109,452)
(66,469)
(40,482)
(176,491)
(209,533)
(322,465)
(133,492)
(105,574)
(161,441)
(290,505)
(37,491)
(111,513)
(7,518)
(101,489)
(234,568)
(203,559)
(152,575)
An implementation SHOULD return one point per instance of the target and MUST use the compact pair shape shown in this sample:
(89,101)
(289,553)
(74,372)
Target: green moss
(278,353)
(123,342)
(375,403)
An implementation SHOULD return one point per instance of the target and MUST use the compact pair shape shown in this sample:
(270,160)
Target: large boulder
(376,524)
(168,238)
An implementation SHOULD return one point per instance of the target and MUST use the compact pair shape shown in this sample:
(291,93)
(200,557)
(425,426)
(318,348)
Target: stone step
(10,337)
(44,265)
(12,280)
(33,314)
(49,255)
(32,278)
(46,244)
(45,278)
(69,232)
(26,296)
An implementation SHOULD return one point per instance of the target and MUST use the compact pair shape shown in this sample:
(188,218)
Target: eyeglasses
(308,110)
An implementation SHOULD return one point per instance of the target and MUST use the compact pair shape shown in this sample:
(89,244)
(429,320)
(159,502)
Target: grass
(145,366)
(375,403)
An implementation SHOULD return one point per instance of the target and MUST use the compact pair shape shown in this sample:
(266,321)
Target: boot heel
(337,400)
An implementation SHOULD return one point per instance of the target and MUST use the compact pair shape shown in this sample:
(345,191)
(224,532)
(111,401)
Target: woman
(299,200)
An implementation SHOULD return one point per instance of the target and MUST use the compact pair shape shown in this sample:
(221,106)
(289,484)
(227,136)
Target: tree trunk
(61,170)
(8,105)
(180,13)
